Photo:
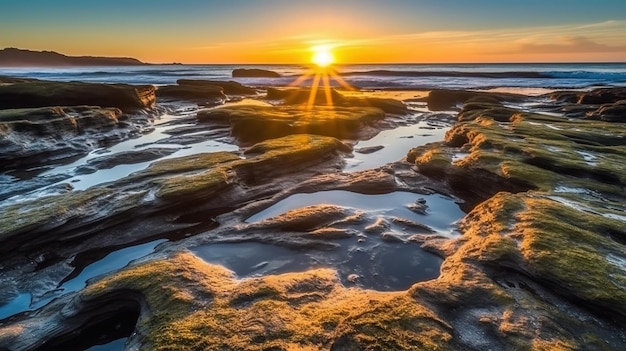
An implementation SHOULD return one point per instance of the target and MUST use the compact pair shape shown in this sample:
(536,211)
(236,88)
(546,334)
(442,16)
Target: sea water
(394,76)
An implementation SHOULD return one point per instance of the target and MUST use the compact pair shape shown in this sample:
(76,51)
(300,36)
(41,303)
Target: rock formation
(538,263)
(254,73)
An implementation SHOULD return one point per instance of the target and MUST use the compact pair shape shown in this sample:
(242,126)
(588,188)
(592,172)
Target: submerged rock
(44,93)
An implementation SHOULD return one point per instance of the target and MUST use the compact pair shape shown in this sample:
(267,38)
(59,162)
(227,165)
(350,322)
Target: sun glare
(322,56)
(320,77)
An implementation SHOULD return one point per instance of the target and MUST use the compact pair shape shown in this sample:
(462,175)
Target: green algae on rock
(527,151)
(256,123)
(555,249)
(164,185)
(191,305)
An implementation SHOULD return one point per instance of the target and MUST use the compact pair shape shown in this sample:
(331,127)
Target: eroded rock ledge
(539,264)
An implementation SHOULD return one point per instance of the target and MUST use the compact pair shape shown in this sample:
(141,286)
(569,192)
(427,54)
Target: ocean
(398,76)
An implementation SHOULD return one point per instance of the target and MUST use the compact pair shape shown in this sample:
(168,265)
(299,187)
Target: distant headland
(13,57)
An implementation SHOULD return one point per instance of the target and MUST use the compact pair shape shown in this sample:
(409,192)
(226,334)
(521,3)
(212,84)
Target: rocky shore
(537,261)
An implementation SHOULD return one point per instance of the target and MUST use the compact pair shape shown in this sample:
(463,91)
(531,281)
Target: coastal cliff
(13,57)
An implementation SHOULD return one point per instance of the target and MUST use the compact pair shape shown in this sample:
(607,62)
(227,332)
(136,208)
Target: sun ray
(321,73)
(327,88)
(302,78)
(339,79)
(314,87)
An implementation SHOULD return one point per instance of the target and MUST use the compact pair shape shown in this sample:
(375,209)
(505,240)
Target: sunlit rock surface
(331,97)
(256,123)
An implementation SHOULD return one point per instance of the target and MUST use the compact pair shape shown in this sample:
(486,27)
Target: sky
(358,31)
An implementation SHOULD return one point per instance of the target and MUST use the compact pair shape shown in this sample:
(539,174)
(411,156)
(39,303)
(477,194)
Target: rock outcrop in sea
(255,73)
(538,262)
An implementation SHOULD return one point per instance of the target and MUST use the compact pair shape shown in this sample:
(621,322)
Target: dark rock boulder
(41,93)
(200,94)
(229,88)
(59,121)
(445,99)
(602,96)
(33,136)
(254,73)
(610,112)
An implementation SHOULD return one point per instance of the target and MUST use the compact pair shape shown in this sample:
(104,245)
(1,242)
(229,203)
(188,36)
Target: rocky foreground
(540,263)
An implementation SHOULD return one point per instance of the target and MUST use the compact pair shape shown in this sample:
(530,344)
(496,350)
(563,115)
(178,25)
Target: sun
(322,56)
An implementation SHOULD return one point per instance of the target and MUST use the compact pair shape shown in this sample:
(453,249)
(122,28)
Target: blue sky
(220,31)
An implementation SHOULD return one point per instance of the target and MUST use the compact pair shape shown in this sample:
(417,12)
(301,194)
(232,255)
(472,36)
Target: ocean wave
(390,73)
(590,75)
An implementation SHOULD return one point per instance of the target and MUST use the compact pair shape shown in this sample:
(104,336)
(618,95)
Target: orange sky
(360,31)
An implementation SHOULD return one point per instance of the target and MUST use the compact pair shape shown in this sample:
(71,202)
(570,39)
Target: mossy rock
(256,123)
(164,185)
(528,151)
(559,246)
(21,219)
(191,305)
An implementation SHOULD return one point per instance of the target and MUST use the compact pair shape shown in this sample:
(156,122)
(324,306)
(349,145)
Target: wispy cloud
(569,44)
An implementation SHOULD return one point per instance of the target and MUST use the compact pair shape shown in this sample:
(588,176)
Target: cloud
(570,44)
